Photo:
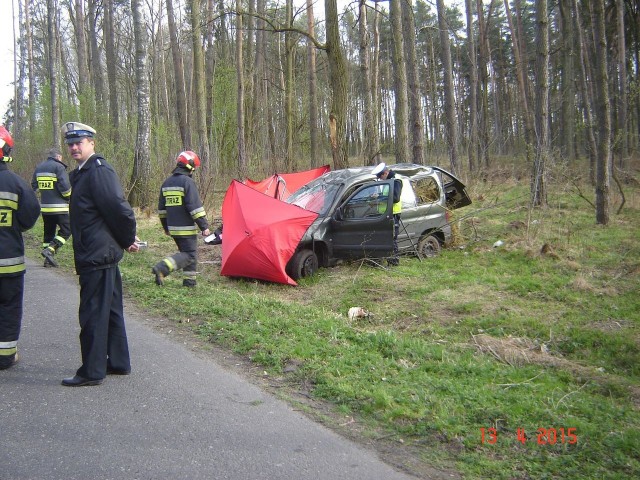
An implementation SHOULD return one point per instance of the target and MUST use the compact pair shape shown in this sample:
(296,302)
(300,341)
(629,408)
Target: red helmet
(189,159)
(6,142)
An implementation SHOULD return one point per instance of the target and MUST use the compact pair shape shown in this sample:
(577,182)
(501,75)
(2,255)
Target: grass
(540,333)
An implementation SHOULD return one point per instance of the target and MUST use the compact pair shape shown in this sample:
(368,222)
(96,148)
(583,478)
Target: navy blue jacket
(19,211)
(102,221)
(51,179)
(179,205)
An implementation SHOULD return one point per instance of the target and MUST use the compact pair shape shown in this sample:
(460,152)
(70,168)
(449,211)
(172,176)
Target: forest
(257,87)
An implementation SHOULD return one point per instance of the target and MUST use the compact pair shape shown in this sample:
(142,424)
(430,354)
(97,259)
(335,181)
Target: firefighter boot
(160,270)
(49,257)
(189,282)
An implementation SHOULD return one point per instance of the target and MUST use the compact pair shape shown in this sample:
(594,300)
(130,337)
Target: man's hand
(206,232)
(135,247)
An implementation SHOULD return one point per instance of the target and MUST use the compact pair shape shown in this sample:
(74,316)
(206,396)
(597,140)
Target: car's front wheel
(429,246)
(303,264)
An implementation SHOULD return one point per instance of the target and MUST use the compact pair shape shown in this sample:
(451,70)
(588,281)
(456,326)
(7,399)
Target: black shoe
(13,361)
(49,257)
(78,381)
(187,282)
(117,371)
(159,275)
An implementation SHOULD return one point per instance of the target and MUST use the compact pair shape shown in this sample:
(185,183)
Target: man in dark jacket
(103,225)
(182,215)
(51,180)
(19,211)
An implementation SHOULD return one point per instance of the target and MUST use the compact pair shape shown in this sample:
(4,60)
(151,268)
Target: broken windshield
(316,197)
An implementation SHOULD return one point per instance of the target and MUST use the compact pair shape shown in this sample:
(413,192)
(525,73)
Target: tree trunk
(399,84)
(449,106)
(370,137)
(110,51)
(338,80)
(622,135)
(200,100)
(139,195)
(603,115)
(483,58)
(415,99)
(473,88)
(587,99)
(52,9)
(81,46)
(178,74)
(96,65)
(242,157)
(538,181)
(31,67)
(289,45)
(568,91)
(313,94)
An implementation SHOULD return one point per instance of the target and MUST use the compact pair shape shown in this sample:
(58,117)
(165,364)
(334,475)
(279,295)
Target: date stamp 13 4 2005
(544,436)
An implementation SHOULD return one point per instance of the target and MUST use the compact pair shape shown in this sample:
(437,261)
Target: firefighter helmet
(189,159)
(6,143)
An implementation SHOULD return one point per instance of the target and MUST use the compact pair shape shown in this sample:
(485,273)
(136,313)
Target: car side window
(371,201)
(426,190)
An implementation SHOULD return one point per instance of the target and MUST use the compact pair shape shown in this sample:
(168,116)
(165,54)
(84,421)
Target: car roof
(364,173)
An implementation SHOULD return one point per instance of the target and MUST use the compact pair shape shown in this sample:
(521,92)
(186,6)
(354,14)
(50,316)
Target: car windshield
(316,197)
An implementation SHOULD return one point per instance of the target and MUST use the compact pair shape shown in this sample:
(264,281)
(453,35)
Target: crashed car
(355,218)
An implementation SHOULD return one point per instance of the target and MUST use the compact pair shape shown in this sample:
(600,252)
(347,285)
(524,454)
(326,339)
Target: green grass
(480,337)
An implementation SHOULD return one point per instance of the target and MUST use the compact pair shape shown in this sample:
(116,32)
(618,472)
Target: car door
(362,225)
(454,190)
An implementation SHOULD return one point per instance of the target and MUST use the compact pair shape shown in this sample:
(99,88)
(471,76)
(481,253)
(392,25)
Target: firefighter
(382,172)
(103,225)
(182,215)
(19,211)
(50,178)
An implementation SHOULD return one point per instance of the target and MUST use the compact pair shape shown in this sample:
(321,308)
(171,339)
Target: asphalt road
(179,415)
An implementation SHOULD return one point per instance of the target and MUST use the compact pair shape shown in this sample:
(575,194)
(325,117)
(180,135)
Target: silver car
(355,217)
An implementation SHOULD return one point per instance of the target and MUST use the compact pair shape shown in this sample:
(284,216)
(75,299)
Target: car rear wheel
(429,246)
(303,264)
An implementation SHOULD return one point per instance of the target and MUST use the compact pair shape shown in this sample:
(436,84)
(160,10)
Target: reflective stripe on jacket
(50,178)
(19,211)
(179,206)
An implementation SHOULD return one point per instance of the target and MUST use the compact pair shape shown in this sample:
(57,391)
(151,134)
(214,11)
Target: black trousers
(103,336)
(50,223)
(11,292)
(186,260)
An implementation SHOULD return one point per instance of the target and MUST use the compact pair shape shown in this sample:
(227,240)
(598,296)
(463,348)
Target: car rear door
(454,190)
(362,225)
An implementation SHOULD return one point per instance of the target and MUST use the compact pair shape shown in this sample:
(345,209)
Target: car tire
(429,246)
(303,264)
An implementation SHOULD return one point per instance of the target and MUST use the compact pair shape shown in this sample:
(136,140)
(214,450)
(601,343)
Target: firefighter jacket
(102,221)
(51,179)
(179,206)
(19,211)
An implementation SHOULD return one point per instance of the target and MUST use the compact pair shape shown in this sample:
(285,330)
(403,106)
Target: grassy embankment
(540,333)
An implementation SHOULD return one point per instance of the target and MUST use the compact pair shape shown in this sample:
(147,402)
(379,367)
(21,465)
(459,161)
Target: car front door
(362,226)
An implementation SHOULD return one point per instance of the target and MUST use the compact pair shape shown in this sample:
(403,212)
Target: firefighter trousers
(11,293)
(50,222)
(103,336)
(186,259)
